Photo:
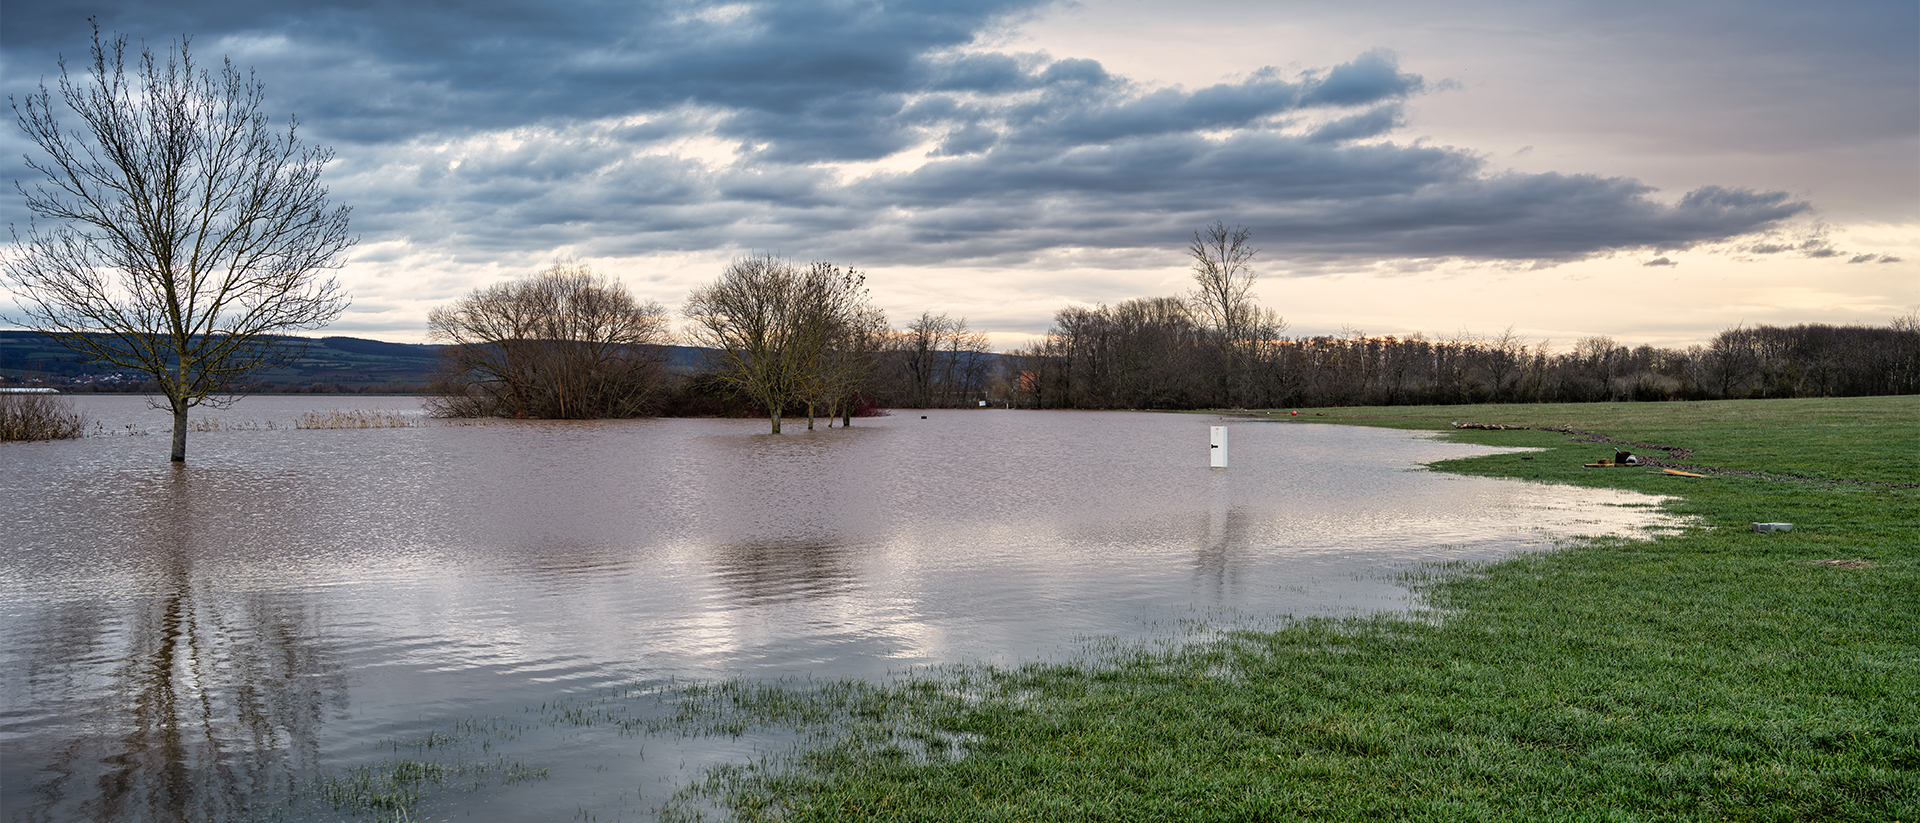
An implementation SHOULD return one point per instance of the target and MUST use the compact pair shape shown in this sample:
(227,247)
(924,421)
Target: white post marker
(1219,449)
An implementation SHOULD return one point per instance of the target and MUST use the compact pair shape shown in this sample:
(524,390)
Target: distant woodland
(1151,354)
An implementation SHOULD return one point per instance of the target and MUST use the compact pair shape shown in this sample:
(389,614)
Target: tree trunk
(775,414)
(179,431)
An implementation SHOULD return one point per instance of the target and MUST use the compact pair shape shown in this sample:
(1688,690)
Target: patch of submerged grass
(221,424)
(1713,674)
(388,791)
(356,419)
(421,771)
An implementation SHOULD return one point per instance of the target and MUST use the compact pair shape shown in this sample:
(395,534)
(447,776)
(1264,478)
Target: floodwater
(193,643)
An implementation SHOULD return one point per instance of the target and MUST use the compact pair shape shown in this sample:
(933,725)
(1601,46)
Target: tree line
(1215,347)
(1153,353)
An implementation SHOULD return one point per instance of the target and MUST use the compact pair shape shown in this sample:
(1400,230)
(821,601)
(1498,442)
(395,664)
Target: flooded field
(205,642)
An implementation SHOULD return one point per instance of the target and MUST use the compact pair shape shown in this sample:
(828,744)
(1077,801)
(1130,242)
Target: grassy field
(1716,674)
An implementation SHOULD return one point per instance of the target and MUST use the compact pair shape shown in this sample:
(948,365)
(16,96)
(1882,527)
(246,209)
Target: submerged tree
(748,320)
(852,360)
(565,343)
(191,236)
(838,338)
(781,334)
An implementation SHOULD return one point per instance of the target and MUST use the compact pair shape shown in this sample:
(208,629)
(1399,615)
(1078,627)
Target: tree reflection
(766,571)
(184,697)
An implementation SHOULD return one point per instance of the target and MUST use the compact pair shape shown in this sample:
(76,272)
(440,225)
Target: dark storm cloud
(431,67)
(1312,200)
(488,128)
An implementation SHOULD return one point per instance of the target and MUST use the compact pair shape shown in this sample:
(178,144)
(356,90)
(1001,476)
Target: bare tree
(937,361)
(853,360)
(566,343)
(746,320)
(916,354)
(774,328)
(970,363)
(1223,298)
(1154,360)
(1902,355)
(1503,358)
(831,308)
(1224,276)
(191,236)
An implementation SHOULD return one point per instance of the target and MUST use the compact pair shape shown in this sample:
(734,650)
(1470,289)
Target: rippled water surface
(192,642)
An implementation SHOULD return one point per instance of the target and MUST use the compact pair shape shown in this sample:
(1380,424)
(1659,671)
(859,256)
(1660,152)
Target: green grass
(1714,674)
(1873,439)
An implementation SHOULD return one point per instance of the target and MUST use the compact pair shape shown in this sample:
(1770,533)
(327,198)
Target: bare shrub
(29,416)
(221,424)
(566,344)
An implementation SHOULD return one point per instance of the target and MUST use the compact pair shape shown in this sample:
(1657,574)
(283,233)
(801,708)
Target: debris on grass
(1855,563)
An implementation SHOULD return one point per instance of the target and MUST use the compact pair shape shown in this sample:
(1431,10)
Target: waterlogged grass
(334,419)
(357,419)
(1715,674)
(389,791)
(422,775)
(206,423)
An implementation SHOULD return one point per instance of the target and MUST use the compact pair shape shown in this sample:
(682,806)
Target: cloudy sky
(1653,171)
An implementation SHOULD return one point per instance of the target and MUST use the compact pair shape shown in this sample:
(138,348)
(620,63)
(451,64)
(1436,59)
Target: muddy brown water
(197,642)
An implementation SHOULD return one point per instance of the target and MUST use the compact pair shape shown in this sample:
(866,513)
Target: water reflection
(180,698)
(758,573)
(181,643)
(1214,570)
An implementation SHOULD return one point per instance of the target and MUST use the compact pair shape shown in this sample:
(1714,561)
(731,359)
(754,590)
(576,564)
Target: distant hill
(349,362)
